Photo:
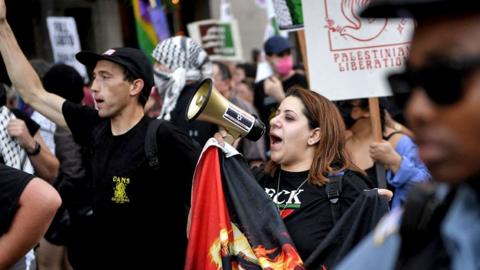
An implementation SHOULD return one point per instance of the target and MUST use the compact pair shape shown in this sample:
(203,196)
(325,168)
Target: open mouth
(98,101)
(274,139)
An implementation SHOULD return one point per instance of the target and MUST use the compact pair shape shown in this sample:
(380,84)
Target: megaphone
(207,104)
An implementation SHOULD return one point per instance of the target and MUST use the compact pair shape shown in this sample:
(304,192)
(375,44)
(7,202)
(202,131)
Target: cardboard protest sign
(289,14)
(65,42)
(348,56)
(220,39)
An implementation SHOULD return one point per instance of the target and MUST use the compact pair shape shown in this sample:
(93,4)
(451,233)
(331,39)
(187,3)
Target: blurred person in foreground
(27,206)
(440,224)
(133,207)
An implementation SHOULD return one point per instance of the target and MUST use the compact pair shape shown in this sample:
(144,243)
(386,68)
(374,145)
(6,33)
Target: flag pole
(373,105)
(303,51)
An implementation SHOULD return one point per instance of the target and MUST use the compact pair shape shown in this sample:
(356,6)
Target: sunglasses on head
(443,80)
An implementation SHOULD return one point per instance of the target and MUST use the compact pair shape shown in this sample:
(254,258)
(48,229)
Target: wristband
(35,151)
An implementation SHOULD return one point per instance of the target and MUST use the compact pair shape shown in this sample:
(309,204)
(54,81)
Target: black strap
(334,189)
(389,136)
(381,176)
(151,148)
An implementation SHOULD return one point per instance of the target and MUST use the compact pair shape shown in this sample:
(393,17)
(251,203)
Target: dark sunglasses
(443,80)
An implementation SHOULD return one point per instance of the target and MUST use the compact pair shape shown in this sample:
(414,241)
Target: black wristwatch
(36,150)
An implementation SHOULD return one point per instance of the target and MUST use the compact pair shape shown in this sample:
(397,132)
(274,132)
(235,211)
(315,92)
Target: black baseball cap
(132,59)
(419,8)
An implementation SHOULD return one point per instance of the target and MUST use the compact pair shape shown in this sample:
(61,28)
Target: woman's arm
(411,169)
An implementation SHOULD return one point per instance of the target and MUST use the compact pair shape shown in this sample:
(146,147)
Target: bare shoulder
(39,193)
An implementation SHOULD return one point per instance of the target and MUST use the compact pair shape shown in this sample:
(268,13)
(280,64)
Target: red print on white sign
(363,44)
(349,24)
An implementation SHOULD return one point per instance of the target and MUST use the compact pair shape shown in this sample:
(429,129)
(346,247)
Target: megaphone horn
(209,105)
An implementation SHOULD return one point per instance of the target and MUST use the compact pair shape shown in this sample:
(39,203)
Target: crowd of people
(78,188)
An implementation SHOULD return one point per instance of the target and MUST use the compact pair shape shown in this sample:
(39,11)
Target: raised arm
(24,78)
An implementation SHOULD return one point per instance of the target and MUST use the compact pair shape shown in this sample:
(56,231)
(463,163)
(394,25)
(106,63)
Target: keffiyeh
(188,62)
(13,154)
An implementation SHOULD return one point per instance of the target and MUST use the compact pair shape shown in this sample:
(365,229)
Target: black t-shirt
(267,105)
(134,207)
(201,131)
(306,210)
(12,184)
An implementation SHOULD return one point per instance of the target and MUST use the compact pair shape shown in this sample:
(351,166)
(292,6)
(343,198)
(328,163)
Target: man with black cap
(269,92)
(134,206)
(440,224)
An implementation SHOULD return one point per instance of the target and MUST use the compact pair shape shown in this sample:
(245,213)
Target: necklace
(296,191)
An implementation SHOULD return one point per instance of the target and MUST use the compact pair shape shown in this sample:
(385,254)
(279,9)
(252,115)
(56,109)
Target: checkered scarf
(187,60)
(13,154)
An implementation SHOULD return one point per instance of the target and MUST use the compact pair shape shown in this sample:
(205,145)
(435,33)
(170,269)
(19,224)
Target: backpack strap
(151,148)
(389,136)
(334,189)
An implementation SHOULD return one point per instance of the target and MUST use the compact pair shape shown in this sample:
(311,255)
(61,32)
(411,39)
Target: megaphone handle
(229,139)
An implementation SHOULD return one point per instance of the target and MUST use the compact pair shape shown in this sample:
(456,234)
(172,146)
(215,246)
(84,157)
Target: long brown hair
(330,154)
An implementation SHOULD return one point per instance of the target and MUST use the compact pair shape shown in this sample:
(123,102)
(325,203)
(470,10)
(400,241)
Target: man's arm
(23,76)
(45,163)
(38,204)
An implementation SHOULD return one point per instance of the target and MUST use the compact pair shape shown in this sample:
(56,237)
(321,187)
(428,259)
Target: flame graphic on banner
(227,232)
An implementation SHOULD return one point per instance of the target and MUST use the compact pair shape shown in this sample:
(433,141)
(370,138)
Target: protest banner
(220,39)
(65,42)
(349,57)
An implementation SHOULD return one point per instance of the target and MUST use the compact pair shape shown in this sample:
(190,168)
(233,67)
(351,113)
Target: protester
(16,136)
(440,224)
(253,151)
(307,142)
(181,64)
(73,182)
(269,92)
(243,71)
(21,144)
(299,69)
(134,206)
(27,206)
(244,90)
(154,104)
(396,152)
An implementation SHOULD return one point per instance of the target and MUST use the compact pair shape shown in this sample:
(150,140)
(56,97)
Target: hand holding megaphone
(209,105)
(222,136)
